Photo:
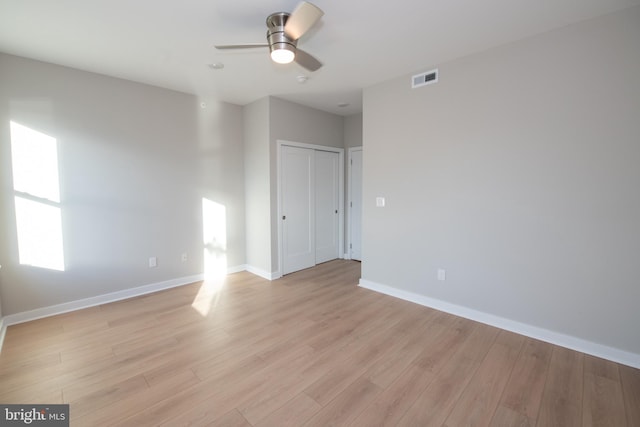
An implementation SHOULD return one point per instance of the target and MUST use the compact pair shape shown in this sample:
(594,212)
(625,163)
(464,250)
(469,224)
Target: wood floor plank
(426,334)
(12,363)
(310,348)
(504,416)
(347,405)
(232,418)
(435,403)
(630,379)
(443,345)
(81,356)
(392,403)
(173,378)
(293,413)
(603,401)
(279,385)
(99,398)
(109,374)
(32,393)
(480,398)
(155,412)
(523,392)
(367,353)
(243,391)
(562,397)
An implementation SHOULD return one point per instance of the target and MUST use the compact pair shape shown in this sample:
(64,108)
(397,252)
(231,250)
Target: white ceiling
(169,43)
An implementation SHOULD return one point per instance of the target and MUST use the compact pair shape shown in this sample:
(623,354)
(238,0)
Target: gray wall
(294,122)
(257,185)
(135,162)
(353,131)
(518,174)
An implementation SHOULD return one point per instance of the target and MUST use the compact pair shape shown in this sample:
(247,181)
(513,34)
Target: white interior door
(355,204)
(327,193)
(298,208)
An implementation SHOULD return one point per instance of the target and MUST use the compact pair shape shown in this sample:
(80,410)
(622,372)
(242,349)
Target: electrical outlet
(442,274)
(184,257)
(153,262)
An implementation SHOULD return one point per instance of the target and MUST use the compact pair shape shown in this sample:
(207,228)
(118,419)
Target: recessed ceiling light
(343,104)
(216,66)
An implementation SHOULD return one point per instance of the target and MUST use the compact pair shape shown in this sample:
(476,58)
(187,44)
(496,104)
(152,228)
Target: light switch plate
(380,202)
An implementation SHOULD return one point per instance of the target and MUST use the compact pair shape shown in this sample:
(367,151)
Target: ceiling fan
(283,32)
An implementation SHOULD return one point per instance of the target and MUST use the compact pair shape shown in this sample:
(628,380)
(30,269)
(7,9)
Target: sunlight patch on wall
(214,239)
(34,160)
(39,234)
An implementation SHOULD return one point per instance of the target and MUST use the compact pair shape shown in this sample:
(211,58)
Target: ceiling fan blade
(302,19)
(241,46)
(307,61)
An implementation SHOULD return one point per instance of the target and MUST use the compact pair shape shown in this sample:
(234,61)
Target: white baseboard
(557,338)
(39,313)
(276,275)
(237,269)
(263,273)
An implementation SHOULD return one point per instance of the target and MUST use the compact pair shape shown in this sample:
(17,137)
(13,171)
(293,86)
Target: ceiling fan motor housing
(275,33)
(283,32)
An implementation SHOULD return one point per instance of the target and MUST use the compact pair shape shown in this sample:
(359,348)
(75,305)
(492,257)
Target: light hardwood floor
(309,349)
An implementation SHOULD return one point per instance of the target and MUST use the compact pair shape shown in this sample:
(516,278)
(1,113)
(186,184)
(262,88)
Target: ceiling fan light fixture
(282,53)
(283,32)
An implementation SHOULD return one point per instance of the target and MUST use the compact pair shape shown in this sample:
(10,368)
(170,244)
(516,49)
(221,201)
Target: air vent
(423,79)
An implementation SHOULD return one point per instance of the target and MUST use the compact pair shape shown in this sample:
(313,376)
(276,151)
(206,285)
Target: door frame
(340,151)
(347,253)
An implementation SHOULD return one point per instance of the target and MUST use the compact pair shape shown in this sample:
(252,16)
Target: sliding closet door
(298,208)
(310,203)
(327,177)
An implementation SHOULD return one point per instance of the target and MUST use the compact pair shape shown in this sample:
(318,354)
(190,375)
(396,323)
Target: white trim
(236,269)
(557,338)
(279,238)
(3,332)
(39,313)
(312,146)
(340,151)
(53,310)
(348,249)
(263,273)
